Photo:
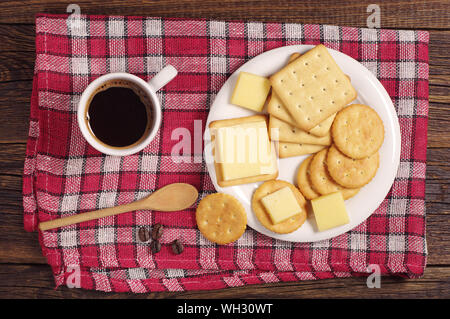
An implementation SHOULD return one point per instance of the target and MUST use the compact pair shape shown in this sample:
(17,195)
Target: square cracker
(276,108)
(323,128)
(284,132)
(313,87)
(296,149)
(217,166)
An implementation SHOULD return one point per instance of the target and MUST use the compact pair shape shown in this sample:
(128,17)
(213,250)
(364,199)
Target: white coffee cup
(149,89)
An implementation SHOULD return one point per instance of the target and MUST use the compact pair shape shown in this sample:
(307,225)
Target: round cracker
(303,182)
(349,172)
(358,131)
(289,225)
(221,218)
(321,179)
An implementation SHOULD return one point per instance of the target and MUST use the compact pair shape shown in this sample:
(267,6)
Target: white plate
(370,92)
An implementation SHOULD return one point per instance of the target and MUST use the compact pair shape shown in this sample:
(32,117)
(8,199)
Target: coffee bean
(155,246)
(177,247)
(157,231)
(144,234)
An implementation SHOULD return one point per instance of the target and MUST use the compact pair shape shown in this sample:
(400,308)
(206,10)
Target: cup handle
(163,77)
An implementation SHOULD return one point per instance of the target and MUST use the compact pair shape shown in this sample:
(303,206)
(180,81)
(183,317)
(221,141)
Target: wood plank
(438,118)
(16,69)
(17,52)
(437,195)
(11,166)
(21,37)
(16,66)
(439,94)
(21,69)
(12,158)
(400,14)
(15,107)
(17,38)
(37,282)
(26,249)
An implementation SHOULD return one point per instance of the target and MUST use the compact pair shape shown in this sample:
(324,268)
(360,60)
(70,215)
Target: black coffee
(117,115)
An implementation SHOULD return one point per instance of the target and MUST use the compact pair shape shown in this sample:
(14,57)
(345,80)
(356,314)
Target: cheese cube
(244,150)
(329,211)
(281,205)
(251,91)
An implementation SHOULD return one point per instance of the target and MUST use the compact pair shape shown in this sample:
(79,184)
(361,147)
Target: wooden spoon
(170,198)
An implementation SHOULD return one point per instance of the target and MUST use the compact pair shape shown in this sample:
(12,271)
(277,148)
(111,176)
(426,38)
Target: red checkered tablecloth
(63,175)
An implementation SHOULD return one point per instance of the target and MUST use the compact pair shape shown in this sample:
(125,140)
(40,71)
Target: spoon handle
(79,218)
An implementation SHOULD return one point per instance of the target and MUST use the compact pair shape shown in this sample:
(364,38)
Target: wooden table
(24,272)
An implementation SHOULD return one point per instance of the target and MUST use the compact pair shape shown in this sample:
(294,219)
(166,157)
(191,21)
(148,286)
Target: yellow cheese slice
(281,205)
(251,91)
(244,150)
(329,211)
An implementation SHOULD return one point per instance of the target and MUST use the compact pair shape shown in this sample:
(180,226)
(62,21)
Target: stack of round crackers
(351,161)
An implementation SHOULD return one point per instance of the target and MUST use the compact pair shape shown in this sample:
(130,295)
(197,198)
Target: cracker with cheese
(280,212)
